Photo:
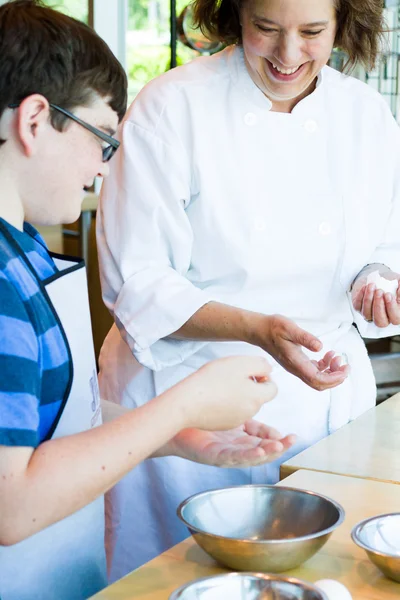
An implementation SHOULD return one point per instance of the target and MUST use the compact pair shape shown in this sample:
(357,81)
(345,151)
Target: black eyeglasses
(112,143)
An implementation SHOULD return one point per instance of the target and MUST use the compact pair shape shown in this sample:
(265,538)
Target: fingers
(261,430)
(358,299)
(326,361)
(303,338)
(376,306)
(327,380)
(287,442)
(267,433)
(322,380)
(392,304)
(258,379)
(253,367)
(267,451)
(381,308)
(368,299)
(336,363)
(378,311)
(310,372)
(251,456)
(331,363)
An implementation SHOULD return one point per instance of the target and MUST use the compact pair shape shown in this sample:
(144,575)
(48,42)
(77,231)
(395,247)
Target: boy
(62,94)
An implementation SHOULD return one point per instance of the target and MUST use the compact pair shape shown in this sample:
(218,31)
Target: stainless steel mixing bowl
(260,527)
(380,537)
(248,586)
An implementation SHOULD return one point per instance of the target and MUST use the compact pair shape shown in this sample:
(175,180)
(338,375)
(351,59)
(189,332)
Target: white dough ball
(333,589)
(381,283)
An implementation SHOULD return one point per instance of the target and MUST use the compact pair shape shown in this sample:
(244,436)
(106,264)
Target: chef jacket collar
(242,78)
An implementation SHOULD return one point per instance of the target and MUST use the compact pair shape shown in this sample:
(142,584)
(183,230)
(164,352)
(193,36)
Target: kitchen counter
(368,447)
(339,559)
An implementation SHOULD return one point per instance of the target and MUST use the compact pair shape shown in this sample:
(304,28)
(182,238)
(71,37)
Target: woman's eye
(313,33)
(267,29)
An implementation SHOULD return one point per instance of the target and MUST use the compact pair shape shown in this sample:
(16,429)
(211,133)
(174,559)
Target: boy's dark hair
(43,51)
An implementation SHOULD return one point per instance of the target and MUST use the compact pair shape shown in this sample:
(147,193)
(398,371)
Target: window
(78,9)
(385,78)
(148,41)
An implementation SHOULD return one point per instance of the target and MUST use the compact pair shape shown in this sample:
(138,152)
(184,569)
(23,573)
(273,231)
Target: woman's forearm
(220,322)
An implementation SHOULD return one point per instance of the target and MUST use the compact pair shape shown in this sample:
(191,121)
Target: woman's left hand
(250,445)
(375,305)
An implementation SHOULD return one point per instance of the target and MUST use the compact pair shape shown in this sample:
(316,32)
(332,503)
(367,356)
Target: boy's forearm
(112,410)
(65,474)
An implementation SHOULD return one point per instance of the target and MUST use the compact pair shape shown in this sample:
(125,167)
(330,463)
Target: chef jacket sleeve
(388,251)
(145,241)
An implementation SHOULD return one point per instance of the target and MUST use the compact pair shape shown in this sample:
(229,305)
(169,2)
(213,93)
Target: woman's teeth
(285,71)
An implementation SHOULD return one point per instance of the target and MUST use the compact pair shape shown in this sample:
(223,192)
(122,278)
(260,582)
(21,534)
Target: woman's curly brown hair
(360,26)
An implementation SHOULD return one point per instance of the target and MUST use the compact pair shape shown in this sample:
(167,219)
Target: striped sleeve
(19,370)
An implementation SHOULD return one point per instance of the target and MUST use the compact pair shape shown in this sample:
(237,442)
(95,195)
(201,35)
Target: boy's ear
(32,118)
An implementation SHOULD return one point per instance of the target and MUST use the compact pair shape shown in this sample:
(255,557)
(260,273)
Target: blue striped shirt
(34,360)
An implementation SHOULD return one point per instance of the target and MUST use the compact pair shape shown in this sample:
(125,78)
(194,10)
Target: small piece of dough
(382,283)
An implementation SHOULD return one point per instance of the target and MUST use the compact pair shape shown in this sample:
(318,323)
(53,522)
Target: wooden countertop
(339,559)
(369,447)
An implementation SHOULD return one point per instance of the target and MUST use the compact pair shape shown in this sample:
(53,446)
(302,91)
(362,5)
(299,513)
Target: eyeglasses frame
(97,132)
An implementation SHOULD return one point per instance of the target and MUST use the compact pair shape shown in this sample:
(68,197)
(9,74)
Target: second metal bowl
(380,537)
(248,586)
(260,527)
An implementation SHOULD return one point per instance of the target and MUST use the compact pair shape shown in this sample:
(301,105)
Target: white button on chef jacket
(310,125)
(259,224)
(325,228)
(250,119)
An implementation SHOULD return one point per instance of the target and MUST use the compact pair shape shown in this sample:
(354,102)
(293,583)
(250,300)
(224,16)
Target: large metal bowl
(248,586)
(380,538)
(260,527)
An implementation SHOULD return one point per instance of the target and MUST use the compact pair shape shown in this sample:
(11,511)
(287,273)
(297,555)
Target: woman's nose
(290,51)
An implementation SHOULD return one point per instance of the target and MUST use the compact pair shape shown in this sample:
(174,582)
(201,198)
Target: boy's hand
(250,445)
(226,392)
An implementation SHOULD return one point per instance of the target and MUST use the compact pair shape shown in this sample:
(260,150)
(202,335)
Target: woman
(257,181)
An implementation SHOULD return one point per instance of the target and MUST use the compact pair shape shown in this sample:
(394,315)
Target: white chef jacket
(216,197)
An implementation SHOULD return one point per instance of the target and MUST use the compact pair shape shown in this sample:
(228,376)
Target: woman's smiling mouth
(284,74)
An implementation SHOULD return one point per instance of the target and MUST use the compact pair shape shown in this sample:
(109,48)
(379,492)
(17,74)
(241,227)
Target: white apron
(65,561)
(141,519)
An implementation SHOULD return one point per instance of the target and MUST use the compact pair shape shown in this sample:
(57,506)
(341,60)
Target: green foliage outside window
(74,8)
(148,42)
(148,37)
(147,62)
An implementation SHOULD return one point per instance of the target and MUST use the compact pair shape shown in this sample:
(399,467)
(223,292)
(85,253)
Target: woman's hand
(284,340)
(277,335)
(375,305)
(250,445)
